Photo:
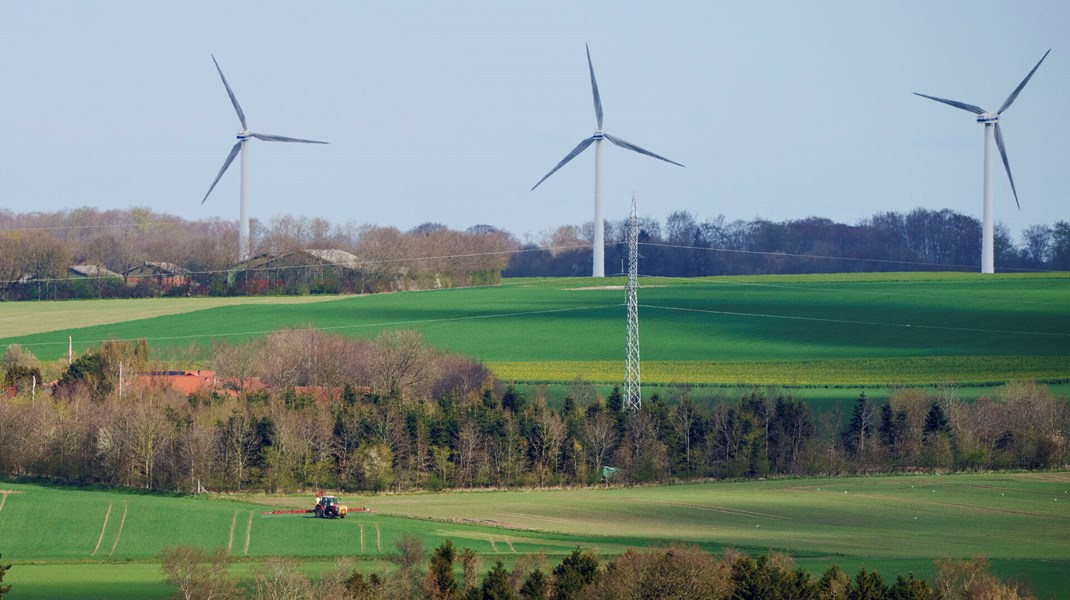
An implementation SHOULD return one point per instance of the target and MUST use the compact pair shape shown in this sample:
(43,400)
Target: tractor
(327,507)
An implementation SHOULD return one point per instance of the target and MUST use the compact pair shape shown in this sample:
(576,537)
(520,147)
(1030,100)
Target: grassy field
(883,329)
(893,524)
(23,318)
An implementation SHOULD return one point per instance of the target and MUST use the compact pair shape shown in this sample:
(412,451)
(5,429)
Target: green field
(22,318)
(892,524)
(877,329)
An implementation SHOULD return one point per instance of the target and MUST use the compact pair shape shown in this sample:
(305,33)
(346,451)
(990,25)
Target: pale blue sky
(450,112)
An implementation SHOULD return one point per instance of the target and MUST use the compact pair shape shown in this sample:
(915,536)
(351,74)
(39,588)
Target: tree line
(920,240)
(305,410)
(676,572)
(37,248)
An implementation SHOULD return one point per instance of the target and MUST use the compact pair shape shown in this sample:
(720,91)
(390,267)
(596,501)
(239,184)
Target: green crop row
(901,371)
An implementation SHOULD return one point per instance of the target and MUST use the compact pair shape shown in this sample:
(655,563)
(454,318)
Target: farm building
(162,275)
(92,272)
(299,271)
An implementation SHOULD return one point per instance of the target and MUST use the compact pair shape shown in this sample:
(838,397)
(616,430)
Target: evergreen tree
(574,573)
(441,580)
(496,584)
(834,584)
(868,586)
(535,587)
(349,395)
(936,421)
(860,428)
(910,589)
(615,401)
(357,587)
(512,400)
(893,430)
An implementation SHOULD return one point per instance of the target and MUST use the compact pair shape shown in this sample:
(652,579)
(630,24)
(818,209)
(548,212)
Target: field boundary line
(102,530)
(248,532)
(851,322)
(230,540)
(126,505)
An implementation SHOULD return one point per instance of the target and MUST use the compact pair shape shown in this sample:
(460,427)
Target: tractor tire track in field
(119,534)
(248,532)
(362,538)
(3,497)
(230,540)
(492,544)
(102,530)
(378,538)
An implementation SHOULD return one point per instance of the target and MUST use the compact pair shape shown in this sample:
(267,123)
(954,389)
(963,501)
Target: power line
(372,262)
(840,258)
(854,322)
(180,222)
(360,264)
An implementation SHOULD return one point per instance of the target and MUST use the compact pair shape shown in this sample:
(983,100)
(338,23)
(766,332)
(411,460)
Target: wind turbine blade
(1006,163)
(634,148)
(974,109)
(230,92)
(230,158)
(594,90)
(279,138)
(575,152)
(1010,99)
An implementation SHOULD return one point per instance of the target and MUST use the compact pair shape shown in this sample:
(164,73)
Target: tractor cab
(329,508)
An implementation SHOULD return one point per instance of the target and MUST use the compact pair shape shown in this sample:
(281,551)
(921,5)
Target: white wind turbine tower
(599,135)
(992,133)
(244,245)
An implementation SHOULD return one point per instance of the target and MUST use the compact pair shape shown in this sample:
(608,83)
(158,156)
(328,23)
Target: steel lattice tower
(632,395)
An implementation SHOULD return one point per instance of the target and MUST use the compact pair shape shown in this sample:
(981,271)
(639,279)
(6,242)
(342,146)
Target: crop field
(880,329)
(893,524)
(21,318)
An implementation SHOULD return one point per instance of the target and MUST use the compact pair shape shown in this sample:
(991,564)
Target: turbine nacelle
(988,117)
(244,134)
(598,136)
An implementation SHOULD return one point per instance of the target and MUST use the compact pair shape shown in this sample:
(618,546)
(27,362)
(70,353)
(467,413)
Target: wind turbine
(596,139)
(244,135)
(992,133)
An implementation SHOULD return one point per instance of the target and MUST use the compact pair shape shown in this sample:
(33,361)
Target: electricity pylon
(633,397)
